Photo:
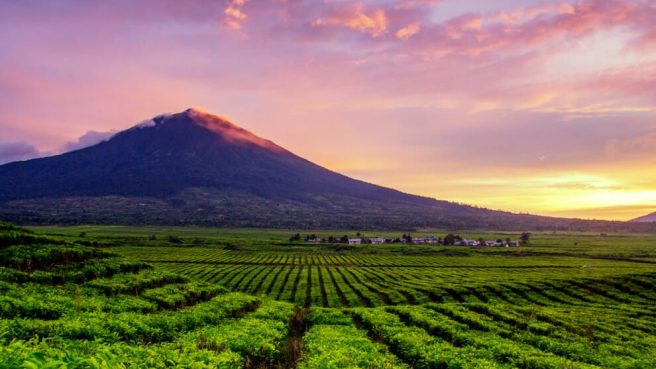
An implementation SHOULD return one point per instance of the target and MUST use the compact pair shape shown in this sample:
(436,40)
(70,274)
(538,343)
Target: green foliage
(344,346)
(82,354)
(324,316)
(47,257)
(66,305)
(175,296)
(136,283)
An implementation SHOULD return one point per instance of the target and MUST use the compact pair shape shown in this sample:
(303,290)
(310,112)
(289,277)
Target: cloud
(476,89)
(619,212)
(413,4)
(90,138)
(234,15)
(636,147)
(408,31)
(356,17)
(14,151)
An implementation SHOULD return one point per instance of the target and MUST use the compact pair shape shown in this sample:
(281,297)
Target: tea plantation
(122,297)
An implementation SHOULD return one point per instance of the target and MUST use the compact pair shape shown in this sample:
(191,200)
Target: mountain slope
(197,168)
(649,218)
(190,149)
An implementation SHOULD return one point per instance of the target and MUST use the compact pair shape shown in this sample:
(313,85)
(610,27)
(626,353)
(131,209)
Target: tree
(296,237)
(449,239)
(525,238)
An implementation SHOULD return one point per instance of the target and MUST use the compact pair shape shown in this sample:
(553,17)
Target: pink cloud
(414,4)
(14,151)
(475,34)
(418,79)
(234,16)
(642,145)
(357,17)
(90,138)
(408,31)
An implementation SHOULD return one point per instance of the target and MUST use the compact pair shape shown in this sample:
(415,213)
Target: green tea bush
(135,283)
(175,296)
(344,346)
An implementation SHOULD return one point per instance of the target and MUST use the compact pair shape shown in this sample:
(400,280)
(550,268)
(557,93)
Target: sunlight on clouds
(570,194)
(234,16)
(533,106)
(355,17)
(408,31)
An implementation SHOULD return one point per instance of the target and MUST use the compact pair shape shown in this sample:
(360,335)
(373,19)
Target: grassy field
(115,297)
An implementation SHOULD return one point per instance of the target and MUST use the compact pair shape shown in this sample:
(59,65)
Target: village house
(466,242)
(418,240)
(377,240)
(354,241)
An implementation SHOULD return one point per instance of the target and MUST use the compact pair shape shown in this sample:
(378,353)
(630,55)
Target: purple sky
(536,106)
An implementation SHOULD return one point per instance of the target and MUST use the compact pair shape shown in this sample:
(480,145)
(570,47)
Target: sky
(534,106)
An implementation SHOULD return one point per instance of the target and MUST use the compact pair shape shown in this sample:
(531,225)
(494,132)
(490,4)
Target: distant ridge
(197,168)
(649,218)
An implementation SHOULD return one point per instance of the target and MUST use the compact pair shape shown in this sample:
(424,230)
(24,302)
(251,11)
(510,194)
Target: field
(113,297)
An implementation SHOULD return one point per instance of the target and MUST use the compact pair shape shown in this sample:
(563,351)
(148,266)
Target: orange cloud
(408,31)
(355,17)
(234,16)
(413,4)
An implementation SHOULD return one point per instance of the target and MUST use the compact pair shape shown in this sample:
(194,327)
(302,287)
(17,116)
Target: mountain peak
(195,110)
(219,125)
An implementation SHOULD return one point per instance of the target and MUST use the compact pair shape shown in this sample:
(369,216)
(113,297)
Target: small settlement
(448,240)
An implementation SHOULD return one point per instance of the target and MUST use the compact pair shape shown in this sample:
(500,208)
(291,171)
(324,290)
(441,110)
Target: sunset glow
(545,107)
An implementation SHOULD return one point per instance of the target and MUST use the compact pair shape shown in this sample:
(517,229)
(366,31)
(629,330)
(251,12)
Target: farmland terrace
(184,297)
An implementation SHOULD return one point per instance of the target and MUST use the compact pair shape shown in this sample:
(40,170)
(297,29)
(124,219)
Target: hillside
(197,168)
(649,218)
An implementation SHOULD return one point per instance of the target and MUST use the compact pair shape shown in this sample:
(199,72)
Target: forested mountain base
(65,303)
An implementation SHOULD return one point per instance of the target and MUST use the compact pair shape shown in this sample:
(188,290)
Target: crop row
(339,286)
(227,340)
(488,261)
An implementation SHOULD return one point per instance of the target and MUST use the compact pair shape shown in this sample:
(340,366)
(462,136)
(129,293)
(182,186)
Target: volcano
(195,168)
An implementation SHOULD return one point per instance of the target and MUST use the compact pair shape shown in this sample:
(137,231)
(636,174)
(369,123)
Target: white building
(355,241)
(377,240)
(418,240)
